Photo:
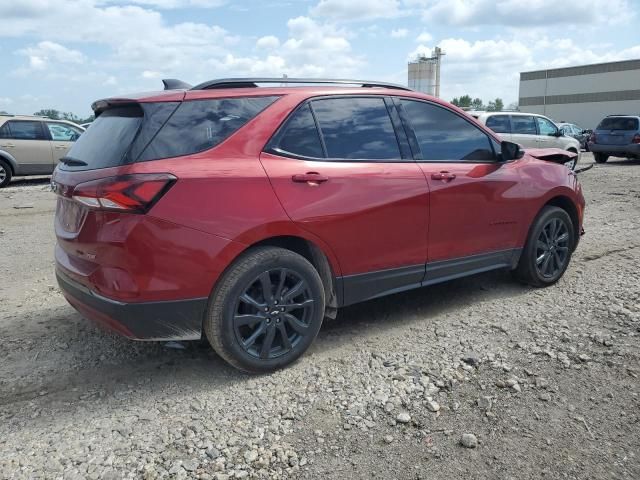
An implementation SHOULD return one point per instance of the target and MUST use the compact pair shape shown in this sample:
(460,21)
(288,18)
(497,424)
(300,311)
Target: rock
(433,406)
(403,417)
(484,403)
(517,387)
(469,440)
(190,465)
(584,357)
(545,397)
(388,439)
(471,358)
(250,456)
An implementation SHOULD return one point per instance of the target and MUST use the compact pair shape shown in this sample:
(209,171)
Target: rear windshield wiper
(73,162)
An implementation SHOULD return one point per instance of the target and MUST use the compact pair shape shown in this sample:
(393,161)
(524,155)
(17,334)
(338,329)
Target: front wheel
(5,173)
(547,252)
(266,310)
(600,157)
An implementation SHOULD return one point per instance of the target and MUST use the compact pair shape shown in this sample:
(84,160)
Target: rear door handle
(446,176)
(312,178)
(61,147)
(10,145)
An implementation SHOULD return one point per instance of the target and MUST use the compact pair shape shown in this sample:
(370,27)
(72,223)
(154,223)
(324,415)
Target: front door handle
(312,178)
(60,147)
(445,176)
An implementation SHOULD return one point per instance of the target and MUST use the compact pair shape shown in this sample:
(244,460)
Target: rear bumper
(167,320)
(630,149)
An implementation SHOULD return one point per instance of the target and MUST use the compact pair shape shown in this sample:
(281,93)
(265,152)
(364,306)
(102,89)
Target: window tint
(300,135)
(25,130)
(499,123)
(198,125)
(545,127)
(618,123)
(523,125)
(106,143)
(61,132)
(443,135)
(357,128)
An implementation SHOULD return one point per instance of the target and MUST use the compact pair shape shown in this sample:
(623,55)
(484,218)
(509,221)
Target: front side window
(356,128)
(25,130)
(545,126)
(61,132)
(523,124)
(499,123)
(443,135)
(300,135)
(198,125)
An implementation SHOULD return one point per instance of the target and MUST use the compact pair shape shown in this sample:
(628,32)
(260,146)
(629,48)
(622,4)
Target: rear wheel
(266,310)
(5,173)
(600,157)
(547,252)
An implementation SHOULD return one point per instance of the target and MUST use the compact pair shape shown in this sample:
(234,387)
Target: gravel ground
(474,379)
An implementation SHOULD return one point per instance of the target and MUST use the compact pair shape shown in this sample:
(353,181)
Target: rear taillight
(592,137)
(135,193)
(636,138)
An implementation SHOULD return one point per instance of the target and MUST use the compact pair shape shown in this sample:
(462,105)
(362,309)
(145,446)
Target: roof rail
(253,82)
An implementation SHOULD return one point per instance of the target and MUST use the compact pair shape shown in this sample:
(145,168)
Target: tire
(547,253)
(5,173)
(239,329)
(600,157)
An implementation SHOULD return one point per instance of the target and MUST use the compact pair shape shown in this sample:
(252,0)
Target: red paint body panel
(367,216)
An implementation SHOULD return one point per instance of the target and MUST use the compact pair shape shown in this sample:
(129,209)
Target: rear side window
(523,125)
(198,125)
(300,135)
(106,143)
(25,130)
(443,135)
(356,128)
(499,123)
(619,123)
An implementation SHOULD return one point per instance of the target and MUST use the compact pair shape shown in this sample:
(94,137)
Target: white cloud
(268,43)
(399,33)
(424,37)
(519,13)
(45,53)
(151,74)
(356,10)
(170,4)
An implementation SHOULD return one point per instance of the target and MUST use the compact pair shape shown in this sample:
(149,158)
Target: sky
(64,54)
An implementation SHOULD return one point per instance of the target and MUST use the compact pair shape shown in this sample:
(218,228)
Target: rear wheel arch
(9,161)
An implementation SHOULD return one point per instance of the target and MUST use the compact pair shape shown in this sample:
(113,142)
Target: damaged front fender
(555,155)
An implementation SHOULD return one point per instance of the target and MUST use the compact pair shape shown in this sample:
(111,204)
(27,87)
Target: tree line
(57,115)
(497,105)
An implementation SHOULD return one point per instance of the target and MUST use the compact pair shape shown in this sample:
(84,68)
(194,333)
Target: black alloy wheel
(273,313)
(552,248)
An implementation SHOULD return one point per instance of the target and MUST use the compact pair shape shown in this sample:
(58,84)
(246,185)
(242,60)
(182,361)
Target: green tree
(49,113)
(496,105)
(463,102)
(476,104)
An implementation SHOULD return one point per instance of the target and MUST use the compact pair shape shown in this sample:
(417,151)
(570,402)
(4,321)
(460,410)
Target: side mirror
(510,151)
(559,133)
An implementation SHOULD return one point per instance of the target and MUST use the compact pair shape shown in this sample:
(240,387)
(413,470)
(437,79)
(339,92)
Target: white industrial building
(424,73)
(583,95)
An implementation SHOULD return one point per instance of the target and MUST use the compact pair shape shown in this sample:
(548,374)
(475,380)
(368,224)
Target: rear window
(619,123)
(106,143)
(198,125)
(151,131)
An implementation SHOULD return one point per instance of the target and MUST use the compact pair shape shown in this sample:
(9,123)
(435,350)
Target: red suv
(249,213)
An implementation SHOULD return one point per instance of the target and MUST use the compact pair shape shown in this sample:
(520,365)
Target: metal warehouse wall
(582,95)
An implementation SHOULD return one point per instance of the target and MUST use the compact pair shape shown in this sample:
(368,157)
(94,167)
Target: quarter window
(300,135)
(546,127)
(443,135)
(357,128)
(523,124)
(25,130)
(499,123)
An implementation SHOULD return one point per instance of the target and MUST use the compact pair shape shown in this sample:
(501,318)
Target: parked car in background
(33,145)
(248,214)
(527,129)
(580,134)
(616,136)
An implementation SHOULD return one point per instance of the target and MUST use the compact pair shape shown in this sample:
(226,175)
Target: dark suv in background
(616,136)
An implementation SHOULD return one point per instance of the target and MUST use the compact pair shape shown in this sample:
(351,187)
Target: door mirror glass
(510,151)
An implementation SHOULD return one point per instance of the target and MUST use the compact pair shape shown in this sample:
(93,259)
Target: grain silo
(424,73)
